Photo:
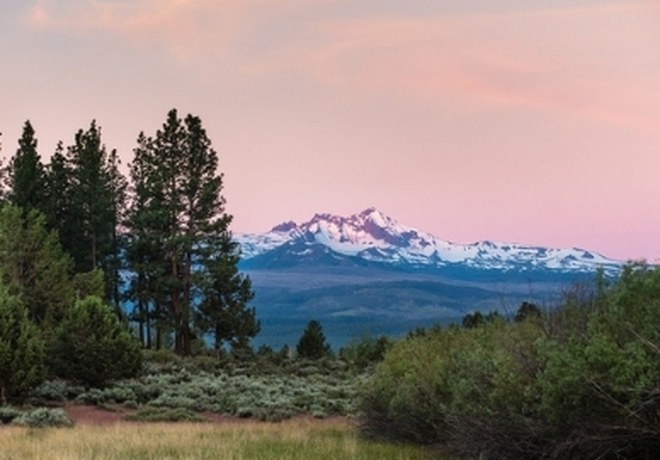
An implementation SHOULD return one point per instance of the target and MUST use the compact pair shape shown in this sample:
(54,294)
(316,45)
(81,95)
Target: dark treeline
(155,244)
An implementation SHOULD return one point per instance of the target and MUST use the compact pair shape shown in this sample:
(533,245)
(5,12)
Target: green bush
(365,351)
(92,396)
(466,389)
(92,346)
(21,349)
(8,414)
(582,382)
(43,418)
(601,386)
(56,391)
(174,402)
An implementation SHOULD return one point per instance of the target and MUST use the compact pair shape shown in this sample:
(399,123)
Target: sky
(533,122)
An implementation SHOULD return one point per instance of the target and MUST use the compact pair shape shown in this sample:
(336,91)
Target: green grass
(243,440)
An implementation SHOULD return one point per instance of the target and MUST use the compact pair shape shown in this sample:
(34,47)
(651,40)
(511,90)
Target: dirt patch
(95,415)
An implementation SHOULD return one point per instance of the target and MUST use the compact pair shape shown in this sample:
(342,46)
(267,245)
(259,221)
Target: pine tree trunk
(93,250)
(141,320)
(185,307)
(148,331)
(159,328)
(175,309)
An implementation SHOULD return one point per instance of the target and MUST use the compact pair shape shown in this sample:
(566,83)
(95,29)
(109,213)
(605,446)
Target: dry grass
(291,440)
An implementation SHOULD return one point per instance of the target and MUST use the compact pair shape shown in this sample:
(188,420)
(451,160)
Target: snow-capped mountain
(372,237)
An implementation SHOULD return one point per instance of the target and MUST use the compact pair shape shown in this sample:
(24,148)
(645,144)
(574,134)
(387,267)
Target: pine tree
(224,311)
(58,201)
(177,214)
(85,192)
(118,186)
(146,224)
(92,200)
(312,344)
(21,349)
(92,346)
(33,265)
(26,175)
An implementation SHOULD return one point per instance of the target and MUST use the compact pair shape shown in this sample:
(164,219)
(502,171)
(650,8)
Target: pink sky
(510,120)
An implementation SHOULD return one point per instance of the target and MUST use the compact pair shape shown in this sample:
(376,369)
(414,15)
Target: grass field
(242,440)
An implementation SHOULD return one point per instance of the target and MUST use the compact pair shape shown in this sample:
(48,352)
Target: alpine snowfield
(377,238)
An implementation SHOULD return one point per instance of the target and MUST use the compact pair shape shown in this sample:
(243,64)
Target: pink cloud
(185,28)
(572,61)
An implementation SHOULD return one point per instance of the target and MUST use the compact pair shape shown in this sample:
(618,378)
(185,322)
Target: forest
(124,293)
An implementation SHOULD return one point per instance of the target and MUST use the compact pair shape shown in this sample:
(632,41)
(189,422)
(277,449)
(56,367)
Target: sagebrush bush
(322,388)
(8,414)
(43,418)
(53,391)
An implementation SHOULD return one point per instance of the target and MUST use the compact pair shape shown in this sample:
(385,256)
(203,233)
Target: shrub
(42,418)
(174,402)
(601,386)
(92,346)
(92,396)
(366,351)
(8,414)
(584,382)
(56,391)
(21,349)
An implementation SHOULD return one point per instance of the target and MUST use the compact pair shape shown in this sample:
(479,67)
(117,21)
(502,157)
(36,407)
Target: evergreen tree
(146,224)
(89,284)
(26,175)
(33,265)
(21,349)
(527,310)
(312,344)
(92,346)
(177,219)
(85,192)
(472,320)
(58,201)
(224,311)
(113,262)
(92,200)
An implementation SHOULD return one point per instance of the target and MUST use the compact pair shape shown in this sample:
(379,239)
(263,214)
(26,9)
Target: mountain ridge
(371,237)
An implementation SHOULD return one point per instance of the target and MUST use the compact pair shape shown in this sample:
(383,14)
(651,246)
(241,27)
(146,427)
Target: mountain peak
(377,238)
(369,212)
(284,227)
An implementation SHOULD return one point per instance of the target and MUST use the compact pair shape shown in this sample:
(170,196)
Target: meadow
(300,438)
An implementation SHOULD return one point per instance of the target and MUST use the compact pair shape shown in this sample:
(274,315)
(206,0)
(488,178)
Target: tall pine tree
(177,217)
(58,196)
(26,175)
(33,265)
(85,192)
(224,311)
(146,224)
(92,200)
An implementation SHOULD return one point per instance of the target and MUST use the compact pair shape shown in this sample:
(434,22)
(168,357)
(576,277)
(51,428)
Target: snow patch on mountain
(375,237)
